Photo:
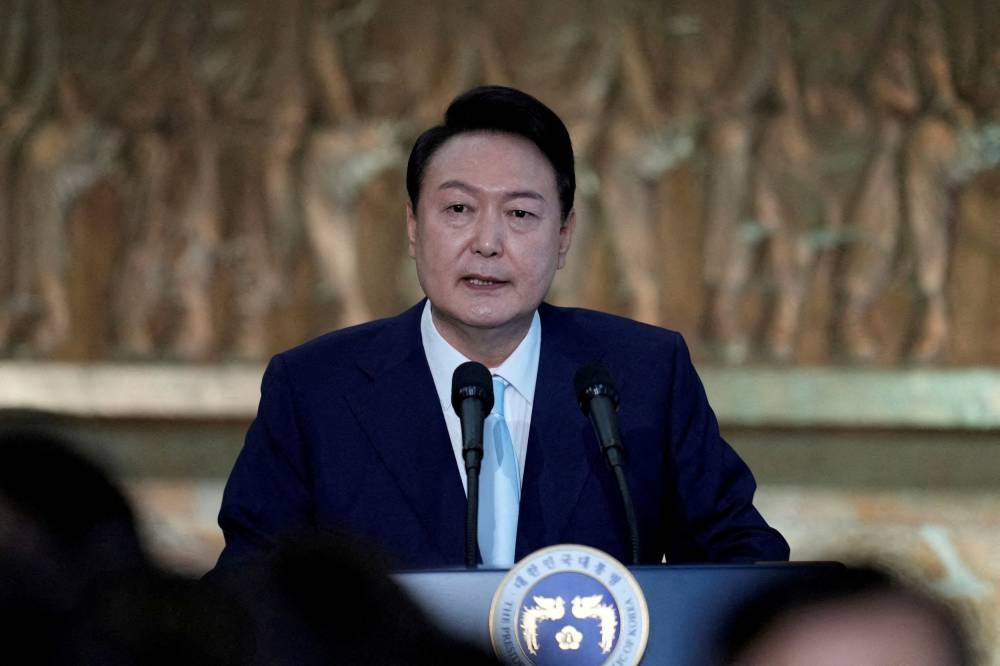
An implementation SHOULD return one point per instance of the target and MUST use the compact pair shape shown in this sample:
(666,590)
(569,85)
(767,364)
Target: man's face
(487,235)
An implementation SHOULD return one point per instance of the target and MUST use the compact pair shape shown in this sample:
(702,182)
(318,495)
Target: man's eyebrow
(516,194)
(457,185)
(526,194)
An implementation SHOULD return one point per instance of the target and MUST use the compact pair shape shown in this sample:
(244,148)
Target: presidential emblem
(569,604)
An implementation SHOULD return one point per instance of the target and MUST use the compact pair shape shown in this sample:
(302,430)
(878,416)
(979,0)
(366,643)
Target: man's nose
(489,234)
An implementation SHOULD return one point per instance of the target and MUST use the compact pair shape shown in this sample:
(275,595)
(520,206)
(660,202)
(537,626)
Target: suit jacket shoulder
(349,353)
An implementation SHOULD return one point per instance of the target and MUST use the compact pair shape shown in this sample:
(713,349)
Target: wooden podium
(686,603)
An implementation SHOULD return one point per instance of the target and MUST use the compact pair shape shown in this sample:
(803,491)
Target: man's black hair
(504,110)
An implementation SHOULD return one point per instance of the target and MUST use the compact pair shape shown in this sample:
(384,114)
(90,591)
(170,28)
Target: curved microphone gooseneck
(472,398)
(598,399)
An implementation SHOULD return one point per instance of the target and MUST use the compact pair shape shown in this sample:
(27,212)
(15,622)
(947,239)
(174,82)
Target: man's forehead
(464,159)
(476,188)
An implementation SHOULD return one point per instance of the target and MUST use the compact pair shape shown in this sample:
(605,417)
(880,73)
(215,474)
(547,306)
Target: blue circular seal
(569,604)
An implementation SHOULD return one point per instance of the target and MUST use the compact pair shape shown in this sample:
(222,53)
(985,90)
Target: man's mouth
(480,281)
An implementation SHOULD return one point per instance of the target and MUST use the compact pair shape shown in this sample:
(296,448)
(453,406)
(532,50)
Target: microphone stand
(472,398)
(473,457)
(598,399)
(615,460)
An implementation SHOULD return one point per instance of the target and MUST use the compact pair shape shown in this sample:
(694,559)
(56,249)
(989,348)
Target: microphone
(472,398)
(598,400)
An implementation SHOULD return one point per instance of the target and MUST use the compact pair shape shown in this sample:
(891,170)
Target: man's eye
(520,213)
(457,208)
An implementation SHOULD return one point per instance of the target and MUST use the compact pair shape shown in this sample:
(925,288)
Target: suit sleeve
(712,504)
(268,493)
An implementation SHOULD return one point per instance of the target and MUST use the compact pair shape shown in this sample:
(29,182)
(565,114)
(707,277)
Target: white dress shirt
(520,370)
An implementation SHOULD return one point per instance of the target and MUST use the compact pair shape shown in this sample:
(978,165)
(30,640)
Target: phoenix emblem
(582,608)
(588,608)
(545,608)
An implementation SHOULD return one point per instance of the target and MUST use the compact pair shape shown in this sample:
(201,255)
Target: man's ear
(566,237)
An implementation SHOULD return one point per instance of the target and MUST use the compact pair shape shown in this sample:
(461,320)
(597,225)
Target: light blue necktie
(499,487)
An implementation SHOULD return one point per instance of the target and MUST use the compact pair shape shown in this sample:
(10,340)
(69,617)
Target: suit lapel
(399,410)
(557,465)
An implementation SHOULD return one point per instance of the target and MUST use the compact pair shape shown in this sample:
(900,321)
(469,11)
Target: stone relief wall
(784,182)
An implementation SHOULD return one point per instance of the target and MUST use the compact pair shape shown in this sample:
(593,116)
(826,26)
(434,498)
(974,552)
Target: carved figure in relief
(731,103)
(877,208)
(29,65)
(198,216)
(826,164)
(956,136)
(691,75)
(788,207)
(171,208)
(644,139)
(340,157)
(934,148)
(252,64)
(67,155)
(171,219)
(825,173)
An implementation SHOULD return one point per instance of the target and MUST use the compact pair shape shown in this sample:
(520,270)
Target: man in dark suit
(356,432)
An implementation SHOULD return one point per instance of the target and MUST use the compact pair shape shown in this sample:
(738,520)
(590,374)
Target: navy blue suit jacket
(350,436)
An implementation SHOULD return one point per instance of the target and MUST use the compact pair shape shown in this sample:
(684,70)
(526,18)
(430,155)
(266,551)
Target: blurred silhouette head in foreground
(330,599)
(860,615)
(76,585)
(63,521)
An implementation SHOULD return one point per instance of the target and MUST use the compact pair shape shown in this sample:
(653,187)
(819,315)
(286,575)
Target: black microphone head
(592,380)
(472,380)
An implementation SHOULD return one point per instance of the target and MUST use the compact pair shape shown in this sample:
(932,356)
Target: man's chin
(488,320)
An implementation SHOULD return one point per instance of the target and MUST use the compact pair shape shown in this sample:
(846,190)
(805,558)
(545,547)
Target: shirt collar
(520,369)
